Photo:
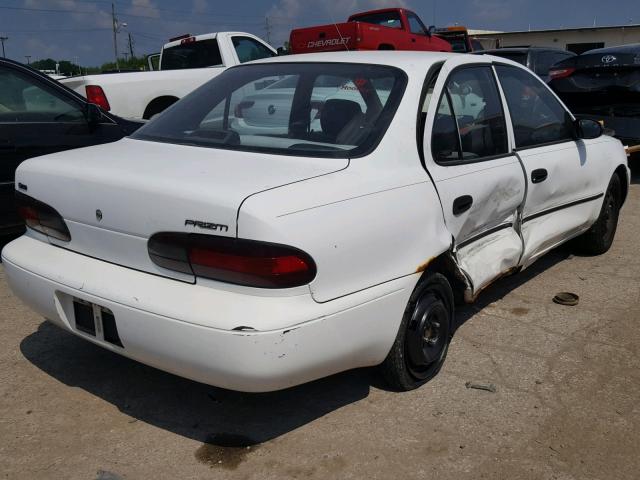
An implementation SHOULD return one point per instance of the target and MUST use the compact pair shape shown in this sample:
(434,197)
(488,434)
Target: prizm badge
(207,225)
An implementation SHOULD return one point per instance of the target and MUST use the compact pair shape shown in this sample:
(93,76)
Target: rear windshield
(204,53)
(309,109)
(385,19)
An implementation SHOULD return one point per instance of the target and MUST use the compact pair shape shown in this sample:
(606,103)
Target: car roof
(497,51)
(630,48)
(405,60)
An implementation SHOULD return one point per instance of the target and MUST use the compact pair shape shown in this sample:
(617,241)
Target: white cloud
(143,7)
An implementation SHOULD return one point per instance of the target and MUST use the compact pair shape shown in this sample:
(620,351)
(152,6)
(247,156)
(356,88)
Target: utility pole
(126,56)
(268,28)
(131,46)
(28,57)
(3,39)
(115,32)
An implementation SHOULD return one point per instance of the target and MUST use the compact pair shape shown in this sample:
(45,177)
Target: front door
(564,180)
(37,118)
(480,181)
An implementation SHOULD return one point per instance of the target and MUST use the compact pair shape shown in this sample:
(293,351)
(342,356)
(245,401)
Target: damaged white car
(260,259)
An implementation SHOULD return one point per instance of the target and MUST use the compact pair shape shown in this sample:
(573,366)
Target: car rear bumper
(184,328)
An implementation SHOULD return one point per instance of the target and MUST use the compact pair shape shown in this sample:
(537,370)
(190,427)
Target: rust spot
(423,266)
(519,311)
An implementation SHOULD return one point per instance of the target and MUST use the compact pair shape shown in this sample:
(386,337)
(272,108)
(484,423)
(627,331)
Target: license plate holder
(96,321)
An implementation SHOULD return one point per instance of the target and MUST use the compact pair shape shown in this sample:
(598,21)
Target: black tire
(598,239)
(424,335)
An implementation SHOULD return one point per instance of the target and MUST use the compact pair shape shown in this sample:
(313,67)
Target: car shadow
(503,286)
(191,409)
(5,239)
(214,416)
(634,164)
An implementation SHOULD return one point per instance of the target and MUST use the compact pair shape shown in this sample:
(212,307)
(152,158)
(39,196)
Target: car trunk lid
(115,196)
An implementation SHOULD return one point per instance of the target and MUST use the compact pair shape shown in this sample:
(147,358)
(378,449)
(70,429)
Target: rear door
(480,182)
(564,175)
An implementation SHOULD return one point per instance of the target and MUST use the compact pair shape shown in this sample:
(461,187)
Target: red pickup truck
(385,29)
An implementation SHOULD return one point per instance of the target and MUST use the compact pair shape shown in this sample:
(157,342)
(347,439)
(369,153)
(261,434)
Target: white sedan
(256,261)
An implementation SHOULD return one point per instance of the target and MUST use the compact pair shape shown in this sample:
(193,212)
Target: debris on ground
(566,298)
(487,387)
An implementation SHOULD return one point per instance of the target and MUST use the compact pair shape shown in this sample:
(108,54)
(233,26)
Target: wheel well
(386,46)
(157,105)
(445,265)
(622,172)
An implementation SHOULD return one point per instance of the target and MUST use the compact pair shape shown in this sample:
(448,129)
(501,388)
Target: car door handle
(539,175)
(462,204)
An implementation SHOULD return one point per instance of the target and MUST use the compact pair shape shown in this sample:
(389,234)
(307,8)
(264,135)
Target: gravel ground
(566,404)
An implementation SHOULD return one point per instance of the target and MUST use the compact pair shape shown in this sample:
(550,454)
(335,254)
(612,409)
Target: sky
(80,30)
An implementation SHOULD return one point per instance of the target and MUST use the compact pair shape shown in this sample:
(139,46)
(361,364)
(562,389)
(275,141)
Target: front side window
(200,54)
(25,100)
(415,25)
(249,49)
(538,117)
(309,109)
(472,106)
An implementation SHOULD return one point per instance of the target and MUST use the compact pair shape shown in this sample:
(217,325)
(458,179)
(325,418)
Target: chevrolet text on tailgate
(236,239)
(386,29)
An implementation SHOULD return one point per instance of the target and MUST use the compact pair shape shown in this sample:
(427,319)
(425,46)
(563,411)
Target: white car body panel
(372,224)
(130,93)
(188,329)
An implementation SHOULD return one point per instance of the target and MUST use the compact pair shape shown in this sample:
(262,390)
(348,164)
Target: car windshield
(309,109)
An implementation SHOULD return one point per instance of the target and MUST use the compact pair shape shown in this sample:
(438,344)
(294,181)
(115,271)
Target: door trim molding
(481,235)
(562,207)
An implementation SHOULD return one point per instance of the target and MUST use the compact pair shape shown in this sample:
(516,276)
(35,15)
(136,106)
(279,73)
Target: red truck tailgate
(324,38)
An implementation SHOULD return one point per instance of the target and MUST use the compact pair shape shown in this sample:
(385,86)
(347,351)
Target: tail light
(96,95)
(560,73)
(232,260)
(42,218)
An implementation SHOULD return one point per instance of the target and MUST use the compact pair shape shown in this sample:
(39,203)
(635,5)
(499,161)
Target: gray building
(577,40)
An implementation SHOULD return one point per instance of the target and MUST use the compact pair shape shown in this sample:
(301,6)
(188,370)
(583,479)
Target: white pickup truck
(186,62)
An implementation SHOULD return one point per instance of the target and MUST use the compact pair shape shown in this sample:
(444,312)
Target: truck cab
(384,29)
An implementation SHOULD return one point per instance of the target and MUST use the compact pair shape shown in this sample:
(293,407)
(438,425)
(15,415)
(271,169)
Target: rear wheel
(598,239)
(423,337)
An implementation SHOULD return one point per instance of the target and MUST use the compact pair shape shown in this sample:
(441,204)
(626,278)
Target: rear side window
(469,123)
(538,117)
(249,49)
(201,54)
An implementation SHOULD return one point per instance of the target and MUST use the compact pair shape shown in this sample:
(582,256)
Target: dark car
(538,59)
(603,84)
(38,116)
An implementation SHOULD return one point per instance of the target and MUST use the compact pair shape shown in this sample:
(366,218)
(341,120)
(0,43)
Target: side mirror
(587,128)
(93,115)
(431,30)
